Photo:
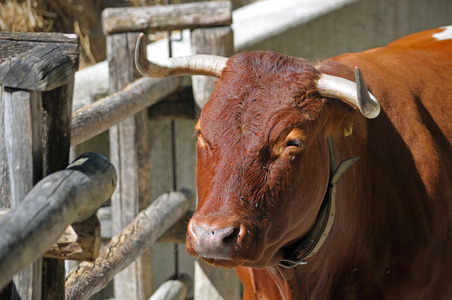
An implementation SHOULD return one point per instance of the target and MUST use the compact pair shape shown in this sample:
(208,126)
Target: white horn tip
(367,103)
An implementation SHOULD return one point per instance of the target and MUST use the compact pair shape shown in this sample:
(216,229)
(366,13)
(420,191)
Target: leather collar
(314,239)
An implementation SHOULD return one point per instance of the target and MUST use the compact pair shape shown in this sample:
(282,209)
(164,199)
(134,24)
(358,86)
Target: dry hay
(82,17)
(68,16)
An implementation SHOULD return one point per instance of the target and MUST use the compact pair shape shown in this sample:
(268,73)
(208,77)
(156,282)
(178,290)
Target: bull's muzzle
(215,242)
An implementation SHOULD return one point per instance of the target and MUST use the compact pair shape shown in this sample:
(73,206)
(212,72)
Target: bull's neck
(314,239)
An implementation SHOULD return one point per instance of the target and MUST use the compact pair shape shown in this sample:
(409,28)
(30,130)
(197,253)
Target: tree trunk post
(37,75)
(130,154)
(22,114)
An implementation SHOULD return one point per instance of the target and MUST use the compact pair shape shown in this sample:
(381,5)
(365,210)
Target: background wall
(327,28)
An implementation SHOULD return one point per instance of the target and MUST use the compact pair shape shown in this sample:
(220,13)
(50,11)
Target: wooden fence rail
(164,18)
(176,289)
(90,277)
(60,199)
(102,114)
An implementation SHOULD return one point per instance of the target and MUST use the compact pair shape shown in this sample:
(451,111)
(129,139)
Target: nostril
(223,235)
(242,232)
(213,242)
(232,236)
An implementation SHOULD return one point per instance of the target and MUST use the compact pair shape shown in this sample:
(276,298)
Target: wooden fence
(53,205)
(37,77)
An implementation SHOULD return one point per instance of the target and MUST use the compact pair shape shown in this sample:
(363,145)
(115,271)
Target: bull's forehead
(246,124)
(258,91)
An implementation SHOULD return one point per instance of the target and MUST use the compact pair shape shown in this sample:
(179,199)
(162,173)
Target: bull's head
(262,157)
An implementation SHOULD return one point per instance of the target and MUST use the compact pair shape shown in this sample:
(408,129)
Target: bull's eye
(293,143)
(201,141)
(289,144)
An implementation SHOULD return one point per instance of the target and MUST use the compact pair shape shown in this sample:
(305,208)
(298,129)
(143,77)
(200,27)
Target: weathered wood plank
(5,190)
(55,202)
(102,114)
(89,278)
(57,126)
(14,43)
(37,37)
(57,108)
(22,116)
(164,18)
(177,105)
(129,151)
(217,41)
(37,61)
(80,241)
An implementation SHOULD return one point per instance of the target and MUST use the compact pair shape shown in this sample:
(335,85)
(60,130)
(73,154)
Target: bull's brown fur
(392,233)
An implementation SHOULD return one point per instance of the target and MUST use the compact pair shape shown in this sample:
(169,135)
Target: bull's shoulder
(441,36)
(429,50)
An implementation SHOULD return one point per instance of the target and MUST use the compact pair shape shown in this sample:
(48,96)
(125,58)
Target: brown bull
(270,143)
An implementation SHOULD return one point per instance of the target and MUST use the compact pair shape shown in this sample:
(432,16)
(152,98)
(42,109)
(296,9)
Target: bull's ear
(348,128)
(355,94)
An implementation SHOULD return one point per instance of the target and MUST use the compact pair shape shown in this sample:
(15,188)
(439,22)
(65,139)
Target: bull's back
(412,70)
(410,143)
(412,79)
(421,67)
(415,91)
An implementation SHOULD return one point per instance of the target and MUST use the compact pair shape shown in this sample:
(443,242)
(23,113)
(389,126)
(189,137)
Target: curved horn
(209,65)
(355,94)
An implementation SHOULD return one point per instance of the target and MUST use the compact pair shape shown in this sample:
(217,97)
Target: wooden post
(21,113)
(57,139)
(212,283)
(217,41)
(5,199)
(129,151)
(36,74)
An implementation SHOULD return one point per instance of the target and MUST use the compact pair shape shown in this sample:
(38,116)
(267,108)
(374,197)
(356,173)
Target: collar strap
(314,239)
